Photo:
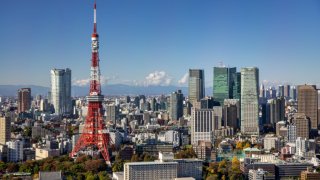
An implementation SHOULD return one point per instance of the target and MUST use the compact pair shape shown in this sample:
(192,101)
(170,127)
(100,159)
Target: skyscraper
(237,86)
(308,103)
(275,110)
(223,83)
(176,105)
(262,91)
(287,91)
(24,99)
(196,85)
(207,103)
(61,90)
(15,150)
(293,92)
(5,129)
(231,112)
(280,91)
(203,123)
(112,113)
(249,100)
(302,123)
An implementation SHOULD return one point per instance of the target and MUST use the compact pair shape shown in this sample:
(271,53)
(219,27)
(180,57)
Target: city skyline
(178,135)
(144,42)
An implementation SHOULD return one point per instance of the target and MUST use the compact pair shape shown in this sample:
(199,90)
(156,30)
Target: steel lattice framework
(94,133)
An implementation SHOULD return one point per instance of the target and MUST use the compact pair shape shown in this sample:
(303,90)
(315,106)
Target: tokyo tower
(94,132)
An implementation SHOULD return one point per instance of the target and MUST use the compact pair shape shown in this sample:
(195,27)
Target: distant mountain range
(107,90)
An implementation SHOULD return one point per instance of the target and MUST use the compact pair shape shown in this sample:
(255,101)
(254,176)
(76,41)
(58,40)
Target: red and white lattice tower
(94,132)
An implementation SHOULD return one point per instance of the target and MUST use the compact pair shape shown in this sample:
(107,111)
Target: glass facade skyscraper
(196,85)
(226,84)
(249,100)
(237,86)
(176,105)
(61,90)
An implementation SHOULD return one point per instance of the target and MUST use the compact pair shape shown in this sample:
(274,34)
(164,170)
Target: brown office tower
(308,103)
(5,130)
(302,123)
(24,99)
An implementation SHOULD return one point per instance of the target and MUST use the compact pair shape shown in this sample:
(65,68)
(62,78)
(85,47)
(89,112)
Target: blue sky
(150,42)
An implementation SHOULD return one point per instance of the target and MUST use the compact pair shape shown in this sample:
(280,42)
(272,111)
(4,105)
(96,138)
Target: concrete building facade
(150,170)
(196,85)
(5,129)
(308,103)
(249,101)
(61,91)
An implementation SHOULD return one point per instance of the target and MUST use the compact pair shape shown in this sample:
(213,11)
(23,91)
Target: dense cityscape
(245,129)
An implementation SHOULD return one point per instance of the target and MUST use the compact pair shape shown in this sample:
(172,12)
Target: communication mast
(94,133)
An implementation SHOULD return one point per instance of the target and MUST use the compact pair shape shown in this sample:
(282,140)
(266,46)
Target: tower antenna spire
(95,17)
(94,132)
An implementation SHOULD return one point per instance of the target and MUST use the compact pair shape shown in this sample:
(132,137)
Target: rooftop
(149,163)
(45,175)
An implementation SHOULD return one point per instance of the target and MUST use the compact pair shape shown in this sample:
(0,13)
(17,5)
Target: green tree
(95,165)
(3,166)
(12,167)
(273,150)
(239,145)
(36,169)
(135,158)
(223,177)
(27,132)
(90,176)
(77,168)
(64,158)
(118,158)
(148,157)
(47,166)
(82,159)
(247,145)
(235,163)
(186,153)
(67,165)
(117,166)
(103,175)
(80,177)
(222,168)
(234,171)
(25,167)
(212,177)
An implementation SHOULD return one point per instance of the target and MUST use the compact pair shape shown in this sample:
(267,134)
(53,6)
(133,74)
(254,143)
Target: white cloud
(86,82)
(105,80)
(184,79)
(81,82)
(158,78)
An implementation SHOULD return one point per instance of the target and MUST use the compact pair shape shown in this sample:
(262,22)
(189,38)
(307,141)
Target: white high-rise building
(257,174)
(301,146)
(61,91)
(271,142)
(15,150)
(150,170)
(250,100)
(292,133)
(173,137)
(203,124)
